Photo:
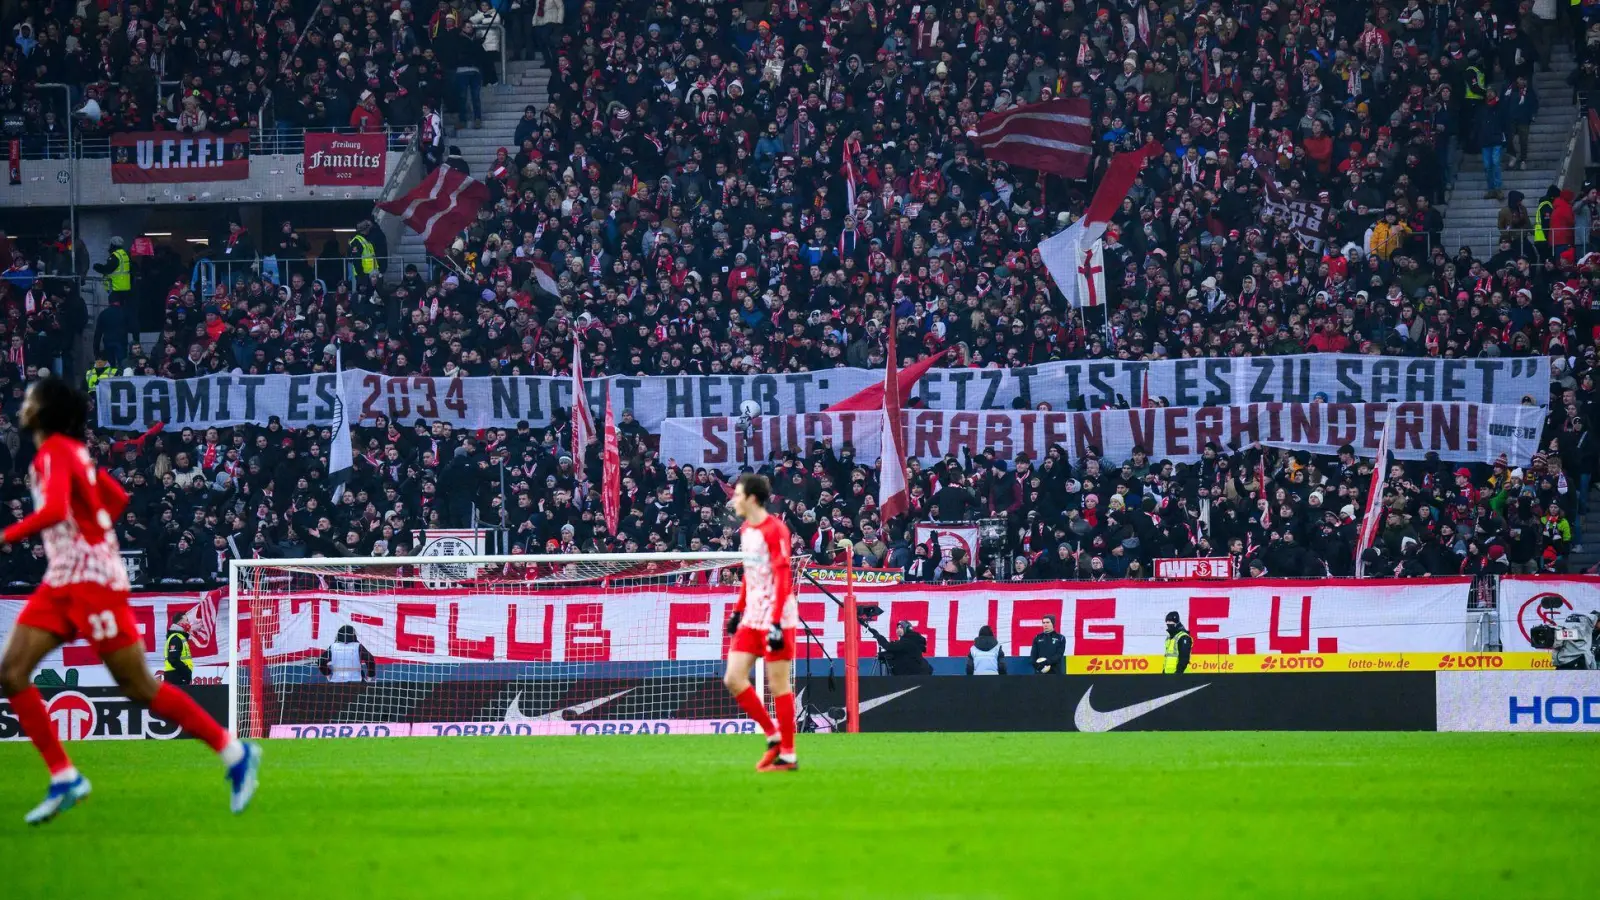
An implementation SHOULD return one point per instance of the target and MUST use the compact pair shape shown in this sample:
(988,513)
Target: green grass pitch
(873,816)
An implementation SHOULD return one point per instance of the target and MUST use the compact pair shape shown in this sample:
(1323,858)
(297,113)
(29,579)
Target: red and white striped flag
(440,207)
(611,471)
(1064,253)
(582,418)
(1374,515)
(893,493)
(1052,136)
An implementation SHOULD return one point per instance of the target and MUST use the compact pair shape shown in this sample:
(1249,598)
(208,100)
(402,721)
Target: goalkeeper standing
(764,622)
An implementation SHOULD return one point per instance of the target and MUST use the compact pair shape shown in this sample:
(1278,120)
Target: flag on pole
(1374,514)
(582,419)
(893,495)
(1063,254)
(340,460)
(611,471)
(871,396)
(440,207)
(1053,136)
(1090,276)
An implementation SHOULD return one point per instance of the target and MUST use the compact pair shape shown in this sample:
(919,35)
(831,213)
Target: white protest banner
(661,624)
(1522,607)
(135,404)
(1458,432)
(76,664)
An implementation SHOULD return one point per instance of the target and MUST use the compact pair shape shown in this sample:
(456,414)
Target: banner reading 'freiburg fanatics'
(135,404)
(347,160)
(1458,432)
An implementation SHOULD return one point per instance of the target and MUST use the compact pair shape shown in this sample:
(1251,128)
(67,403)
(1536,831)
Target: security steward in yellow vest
(179,667)
(102,369)
(1541,221)
(118,272)
(1473,87)
(1176,660)
(363,250)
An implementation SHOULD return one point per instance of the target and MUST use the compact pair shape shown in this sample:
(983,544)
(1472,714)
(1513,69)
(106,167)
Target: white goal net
(479,645)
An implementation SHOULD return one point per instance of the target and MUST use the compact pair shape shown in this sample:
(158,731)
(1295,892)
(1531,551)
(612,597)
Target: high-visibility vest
(94,375)
(1538,219)
(121,278)
(188,660)
(1169,665)
(363,248)
(1474,86)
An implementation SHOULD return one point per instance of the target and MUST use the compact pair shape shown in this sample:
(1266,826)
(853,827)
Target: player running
(763,624)
(84,594)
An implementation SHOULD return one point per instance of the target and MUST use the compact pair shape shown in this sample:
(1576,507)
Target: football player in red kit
(84,594)
(763,624)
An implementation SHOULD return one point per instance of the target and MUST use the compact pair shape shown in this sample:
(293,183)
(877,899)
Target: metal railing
(327,271)
(263,142)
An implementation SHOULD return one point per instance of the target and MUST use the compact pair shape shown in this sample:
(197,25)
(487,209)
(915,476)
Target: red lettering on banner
(1407,426)
(915,612)
(958,645)
(1055,430)
(1208,427)
(1444,427)
(847,428)
(530,651)
(1472,427)
(1305,423)
(1341,419)
(1204,615)
(962,432)
(482,648)
(1284,643)
(1244,420)
(266,619)
(813,614)
(1372,426)
(316,612)
(1096,639)
(406,642)
(1143,424)
(686,620)
(1177,430)
(587,638)
(997,434)
(716,449)
(925,435)
(1274,416)
(1027,620)
(1087,431)
(399,401)
(364,619)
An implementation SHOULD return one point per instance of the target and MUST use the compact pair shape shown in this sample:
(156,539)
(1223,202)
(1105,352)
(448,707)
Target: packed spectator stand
(686,187)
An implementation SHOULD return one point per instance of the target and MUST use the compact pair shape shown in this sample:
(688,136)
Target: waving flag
(1052,136)
(340,460)
(611,471)
(1374,514)
(893,495)
(1064,254)
(582,418)
(440,207)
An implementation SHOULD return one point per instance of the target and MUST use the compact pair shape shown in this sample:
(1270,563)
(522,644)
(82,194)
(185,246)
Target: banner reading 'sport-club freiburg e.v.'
(521,625)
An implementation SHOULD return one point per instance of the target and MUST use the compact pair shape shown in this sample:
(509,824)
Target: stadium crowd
(688,189)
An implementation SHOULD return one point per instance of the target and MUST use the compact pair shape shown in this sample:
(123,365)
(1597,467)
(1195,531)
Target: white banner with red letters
(76,664)
(1521,606)
(1458,432)
(1102,619)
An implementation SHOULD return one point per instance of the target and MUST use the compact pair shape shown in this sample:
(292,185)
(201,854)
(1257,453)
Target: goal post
(486,645)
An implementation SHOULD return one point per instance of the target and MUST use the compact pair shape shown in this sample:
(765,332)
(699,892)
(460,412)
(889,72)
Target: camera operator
(1575,642)
(904,654)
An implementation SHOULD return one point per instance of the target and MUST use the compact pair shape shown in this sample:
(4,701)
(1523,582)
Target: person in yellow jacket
(1388,234)
(118,272)
(1179,645)
(102,369)
(178,667)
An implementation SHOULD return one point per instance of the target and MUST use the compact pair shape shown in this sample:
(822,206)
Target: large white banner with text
(299,401)
(1101,619)
(1458,432)
(76,664)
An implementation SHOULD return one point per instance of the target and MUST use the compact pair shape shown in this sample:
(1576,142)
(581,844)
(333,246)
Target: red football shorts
(85,610)
(752,640)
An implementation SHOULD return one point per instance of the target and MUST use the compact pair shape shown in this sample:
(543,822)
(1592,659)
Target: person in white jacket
(548,16)
(484,21)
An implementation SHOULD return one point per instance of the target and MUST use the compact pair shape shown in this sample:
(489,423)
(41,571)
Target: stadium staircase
(1586,555)
(1470,218)
(528,82)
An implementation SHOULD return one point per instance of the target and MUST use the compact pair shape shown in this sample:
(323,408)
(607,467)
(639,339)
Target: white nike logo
(876,702)
(1087,718)
(514,711)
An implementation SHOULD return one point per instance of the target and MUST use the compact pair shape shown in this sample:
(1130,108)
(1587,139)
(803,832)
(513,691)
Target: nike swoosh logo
(876,702)
(1087,718)
(514,711)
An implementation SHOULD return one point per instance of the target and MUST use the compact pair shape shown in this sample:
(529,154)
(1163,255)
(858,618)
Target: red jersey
(74,506)
(767,592)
